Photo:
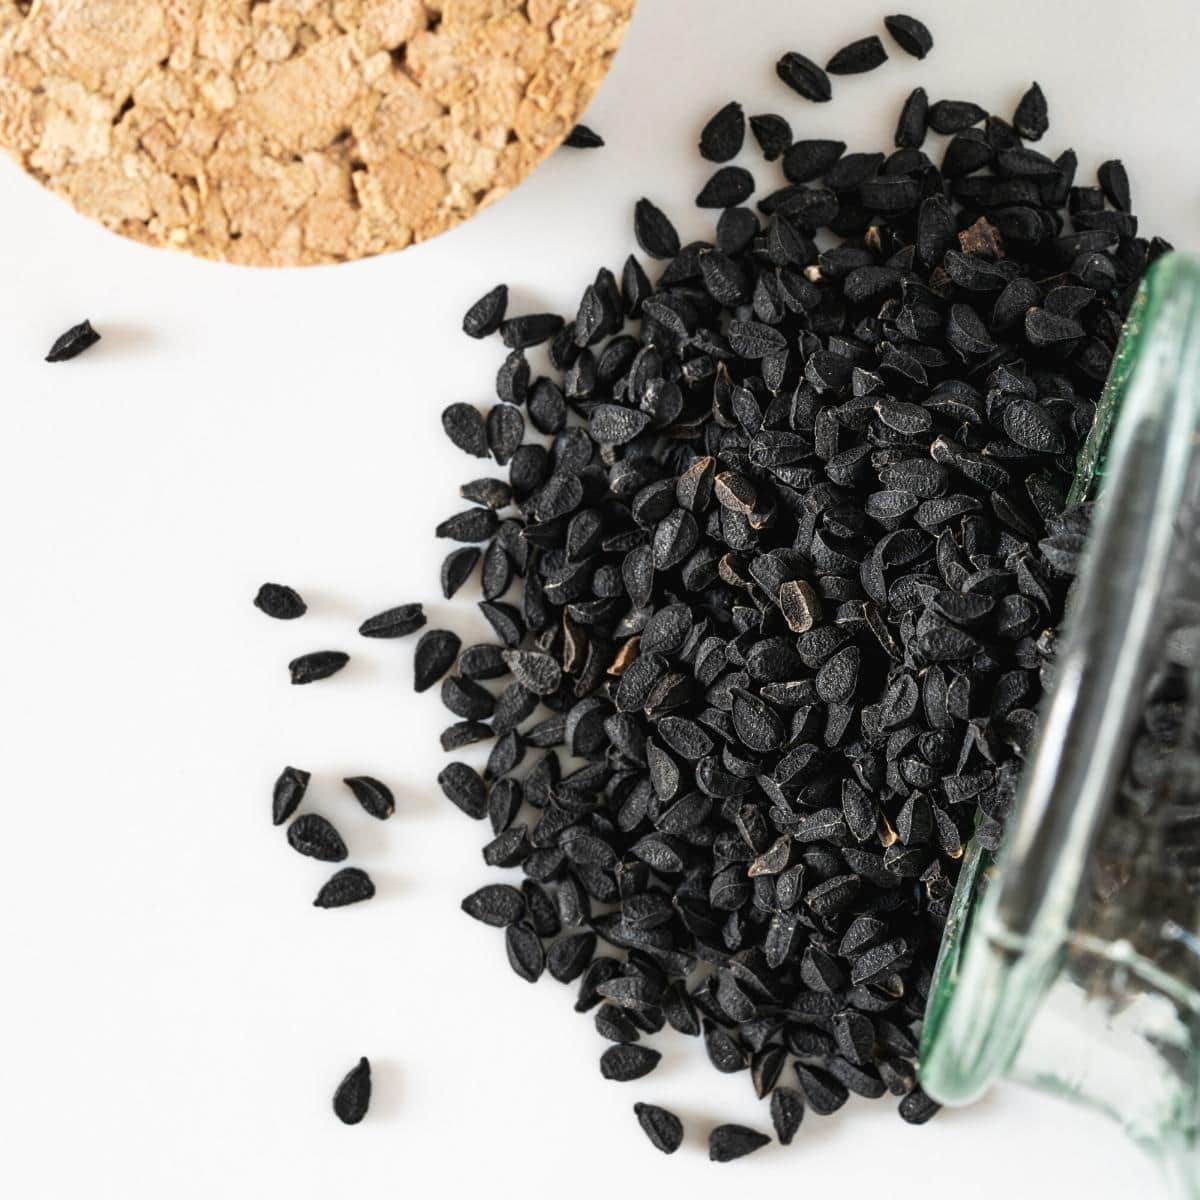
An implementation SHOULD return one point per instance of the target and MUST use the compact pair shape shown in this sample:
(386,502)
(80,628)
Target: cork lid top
(290,132)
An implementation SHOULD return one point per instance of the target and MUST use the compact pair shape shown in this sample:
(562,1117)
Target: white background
(174,1014)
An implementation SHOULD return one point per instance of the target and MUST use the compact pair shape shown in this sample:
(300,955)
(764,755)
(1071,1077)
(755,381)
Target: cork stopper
(292,132)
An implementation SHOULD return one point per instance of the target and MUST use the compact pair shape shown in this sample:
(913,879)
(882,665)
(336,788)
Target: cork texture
(292,132)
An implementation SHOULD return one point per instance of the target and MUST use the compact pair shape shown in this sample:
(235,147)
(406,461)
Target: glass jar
(1072,961)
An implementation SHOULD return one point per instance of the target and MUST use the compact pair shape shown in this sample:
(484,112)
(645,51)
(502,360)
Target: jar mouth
(1011,913)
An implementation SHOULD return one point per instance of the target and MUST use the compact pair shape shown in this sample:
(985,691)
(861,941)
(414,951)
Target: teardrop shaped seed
(353,1095)
(350,885)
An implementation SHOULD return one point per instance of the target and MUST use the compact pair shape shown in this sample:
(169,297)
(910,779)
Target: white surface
(174,1014)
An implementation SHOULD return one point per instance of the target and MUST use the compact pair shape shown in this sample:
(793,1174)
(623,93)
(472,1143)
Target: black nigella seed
(1115,183)
(787,1111)
(484,316)
(497,904)
(376,798)
(803,75)
(535,671)
(289,791)
(914,116)
(350,885)
(917,1108)
(772,133)
(729,186)
(807,160)
(353,1095)
(464,788)
(320,664)
(464,427)
(911,35)
(583,138)
(505,427)
(74,342)
(473,525)
(434,656)
(1032,117)
(280,601)
(722,136)
(492,493)
(313,836)
(525,954)
(953,116)
(729,1142)
(654,232)
(662,1127)
(624,1063)
(532,329)
(457,568)
(863,55)
(394,622)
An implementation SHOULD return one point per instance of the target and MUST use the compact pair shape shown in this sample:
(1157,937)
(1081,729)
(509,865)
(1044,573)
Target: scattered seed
(787,1111)
(863,55)
(315,837)
(320,664)
(464,427)
(655,234)
(663,1128)
(1032,118)
(497,904)
(722,136)
(280,601)
(910,34)
(525,954)
(72,343)
(375,797)
(353,1095)
(532,329)
(773,134)
(728,187)
(289,791)
(434,656)
(484,316)
(583,138)
(347,886)
(953,116)
(626,1063)
(394,622)
(727,1142)
(804,76)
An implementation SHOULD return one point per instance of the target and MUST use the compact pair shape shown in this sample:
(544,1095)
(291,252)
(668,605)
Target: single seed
(74,342)
(320,664)
(313,836)
(728,1142)
(376,798)
(804,76)
(289,791)
(347,886)
(353,1095)
(394,622)
(583,138)
(280,601)
(911,35)
(663,1128)
(863,55)
(626,1063)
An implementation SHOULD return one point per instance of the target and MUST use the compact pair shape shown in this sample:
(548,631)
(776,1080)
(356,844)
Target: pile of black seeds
(775,584)
(774,591)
